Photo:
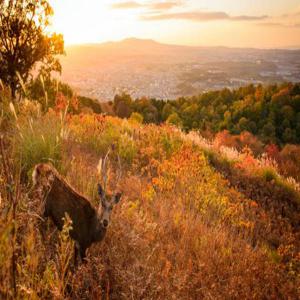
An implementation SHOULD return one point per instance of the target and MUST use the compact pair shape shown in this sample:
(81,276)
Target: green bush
(269,174)
(137,117)
(94,105)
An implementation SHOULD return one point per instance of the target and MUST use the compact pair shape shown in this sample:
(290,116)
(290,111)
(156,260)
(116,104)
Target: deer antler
(102,169)
(119,171)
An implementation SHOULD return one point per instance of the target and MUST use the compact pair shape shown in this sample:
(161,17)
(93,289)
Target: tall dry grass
(163,244)
(181,231)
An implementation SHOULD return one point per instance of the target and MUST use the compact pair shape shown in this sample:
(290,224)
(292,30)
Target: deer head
(43,176)
(107,201)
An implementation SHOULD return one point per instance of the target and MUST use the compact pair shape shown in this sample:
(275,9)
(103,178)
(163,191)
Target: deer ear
(35,175)
(117,197)
(37,170)
(100,190)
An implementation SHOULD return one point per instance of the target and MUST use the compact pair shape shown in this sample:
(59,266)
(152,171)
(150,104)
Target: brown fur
(60,198)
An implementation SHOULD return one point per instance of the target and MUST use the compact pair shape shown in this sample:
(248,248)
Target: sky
(231,23)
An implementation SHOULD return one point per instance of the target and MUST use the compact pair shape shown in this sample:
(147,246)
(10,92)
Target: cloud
(200,17)
(126,5)
(165,5)
(248,18)
(294,14)
(194,16)
(154,5)
(278,24)
(271,24)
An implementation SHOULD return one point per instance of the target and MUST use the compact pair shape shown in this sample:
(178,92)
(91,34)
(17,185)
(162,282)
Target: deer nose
(105,223)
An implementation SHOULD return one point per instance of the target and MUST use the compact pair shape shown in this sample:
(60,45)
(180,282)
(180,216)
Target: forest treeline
(270,112)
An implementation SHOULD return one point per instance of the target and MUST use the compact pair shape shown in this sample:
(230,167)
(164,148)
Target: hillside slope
(192,224)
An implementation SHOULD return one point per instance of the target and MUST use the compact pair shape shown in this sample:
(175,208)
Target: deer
(89,224)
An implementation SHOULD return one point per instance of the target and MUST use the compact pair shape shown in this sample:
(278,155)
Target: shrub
(289,159)
(269,174)
(136,117)
(188,176)
(174,119)
(88,103)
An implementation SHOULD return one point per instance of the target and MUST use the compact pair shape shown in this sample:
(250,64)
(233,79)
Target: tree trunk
(13,89)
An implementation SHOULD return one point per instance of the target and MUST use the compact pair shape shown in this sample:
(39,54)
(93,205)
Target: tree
(243,124)
(288,112)
(168,109)
(174,119)
(268,132)
(189,116)
(92,104)
(24,42)
(145,107)
(123,110)
(136,117)
(289,135)
(122,105)
(247,139)
(150,114)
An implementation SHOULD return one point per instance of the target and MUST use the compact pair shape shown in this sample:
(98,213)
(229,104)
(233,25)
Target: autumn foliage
(199,219)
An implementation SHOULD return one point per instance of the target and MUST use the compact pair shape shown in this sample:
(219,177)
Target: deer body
(86,226)
(89,225)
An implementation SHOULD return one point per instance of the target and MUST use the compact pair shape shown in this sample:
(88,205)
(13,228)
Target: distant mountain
(148,45)
(122,49)
(129,42)
(91,55)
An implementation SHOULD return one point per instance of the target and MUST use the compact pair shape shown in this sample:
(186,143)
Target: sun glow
(90,21)
(242,25)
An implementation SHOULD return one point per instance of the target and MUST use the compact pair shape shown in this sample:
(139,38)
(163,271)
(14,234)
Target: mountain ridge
(133,41)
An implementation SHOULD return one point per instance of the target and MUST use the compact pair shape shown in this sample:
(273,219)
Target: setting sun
(82,22)
(92,22)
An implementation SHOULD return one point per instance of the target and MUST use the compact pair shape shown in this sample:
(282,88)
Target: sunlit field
(197,220)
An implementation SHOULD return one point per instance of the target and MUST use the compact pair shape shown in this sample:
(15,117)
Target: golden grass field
(194,222)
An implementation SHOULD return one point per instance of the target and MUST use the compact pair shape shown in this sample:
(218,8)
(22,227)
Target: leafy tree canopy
(24,42)
(270,112)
